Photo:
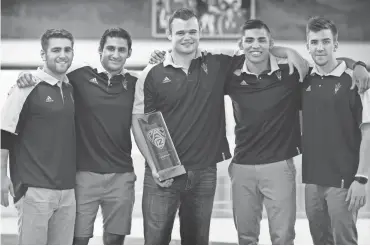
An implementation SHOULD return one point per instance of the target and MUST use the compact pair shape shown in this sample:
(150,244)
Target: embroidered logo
(243,83)
(337,87)
(124,83)
(157,137)
(238,72)
(94,81)
(166,80)
(49,99)
(278,75)
(205,68)
(308,88)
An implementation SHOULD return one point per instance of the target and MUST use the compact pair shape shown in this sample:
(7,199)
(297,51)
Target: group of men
(68,138)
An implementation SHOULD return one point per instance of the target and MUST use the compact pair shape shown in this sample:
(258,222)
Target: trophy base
(171,172)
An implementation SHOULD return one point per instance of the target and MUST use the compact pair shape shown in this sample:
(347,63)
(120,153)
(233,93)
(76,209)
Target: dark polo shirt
(103,119)
(332,116)
(266,112)
(192,104)
(44,148)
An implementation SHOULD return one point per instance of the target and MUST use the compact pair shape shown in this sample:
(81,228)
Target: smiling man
(336,140)
(38,134)
(105,176)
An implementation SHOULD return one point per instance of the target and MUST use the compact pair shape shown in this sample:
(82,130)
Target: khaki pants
(270,184)
(329,219)
(46,216)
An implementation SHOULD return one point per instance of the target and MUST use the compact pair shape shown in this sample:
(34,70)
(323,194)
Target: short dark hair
(115,32)
(55,33)
(318,23)
(254,24)
(183,14)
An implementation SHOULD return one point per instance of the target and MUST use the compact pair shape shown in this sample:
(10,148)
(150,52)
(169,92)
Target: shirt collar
(169,61)
(273,65)
(101,69)
(337,71)
(43,76)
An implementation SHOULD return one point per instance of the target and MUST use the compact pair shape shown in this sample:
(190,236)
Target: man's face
(114,54)
(185,35)
(256,44)
(58,56)
(321,46)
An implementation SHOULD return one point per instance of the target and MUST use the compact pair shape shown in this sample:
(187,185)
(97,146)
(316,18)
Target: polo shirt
(332,116)
(41,118)
(103,119)
(266,112)
(192,104)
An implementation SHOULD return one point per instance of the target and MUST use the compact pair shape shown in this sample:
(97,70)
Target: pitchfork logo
(157,137)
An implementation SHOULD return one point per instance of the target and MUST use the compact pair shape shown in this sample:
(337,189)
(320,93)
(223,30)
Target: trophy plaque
(160,145)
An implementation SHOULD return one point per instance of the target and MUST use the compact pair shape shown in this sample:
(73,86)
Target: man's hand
(361,79)
(6,187)
(157,56)
(356,196)
(26,79)
(164,184)
(295,60)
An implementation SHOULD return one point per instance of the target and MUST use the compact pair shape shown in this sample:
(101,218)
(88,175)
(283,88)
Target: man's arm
(361,76)
(6,184)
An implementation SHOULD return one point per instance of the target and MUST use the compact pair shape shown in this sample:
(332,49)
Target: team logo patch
(238,72)
(308,88)
(94,81)
(166,80)
(49,99)
(205,68)
(278,75)
(337,87)
(124,83)
(157,137)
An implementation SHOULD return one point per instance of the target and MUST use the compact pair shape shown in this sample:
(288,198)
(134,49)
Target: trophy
(160,145)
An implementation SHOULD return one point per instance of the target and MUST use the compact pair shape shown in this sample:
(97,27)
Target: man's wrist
(362,179)
(360,63)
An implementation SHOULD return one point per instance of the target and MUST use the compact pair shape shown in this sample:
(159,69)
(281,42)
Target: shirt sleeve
(144,92)
(365,100)
(13,106)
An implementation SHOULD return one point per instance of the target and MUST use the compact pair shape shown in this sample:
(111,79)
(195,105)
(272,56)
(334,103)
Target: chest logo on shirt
(166,80)
(337,87)
(278,75)
(308,88)
(157,137)
(124,83)
(94,81)
(49,99)
(205,68)
(243,83)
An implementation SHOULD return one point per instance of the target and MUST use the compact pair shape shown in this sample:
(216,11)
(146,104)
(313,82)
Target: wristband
(361,63)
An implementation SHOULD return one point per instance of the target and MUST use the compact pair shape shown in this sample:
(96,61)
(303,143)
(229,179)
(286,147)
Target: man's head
(322,40)
(114,49)
(184,31)
(256,41)
(57,50)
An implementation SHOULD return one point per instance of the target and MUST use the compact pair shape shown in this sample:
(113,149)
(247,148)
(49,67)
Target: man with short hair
(38,135)
(336,140)
(104,99)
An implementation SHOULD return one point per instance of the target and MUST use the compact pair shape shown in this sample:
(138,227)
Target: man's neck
(258,68)
(328,67)
(183,60)
(59,77)
(113,73)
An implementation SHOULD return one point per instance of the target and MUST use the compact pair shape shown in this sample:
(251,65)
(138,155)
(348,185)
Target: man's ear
(271,43)
(169,35)
(240,43)
(336,45)
(43,55)
(129,53)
